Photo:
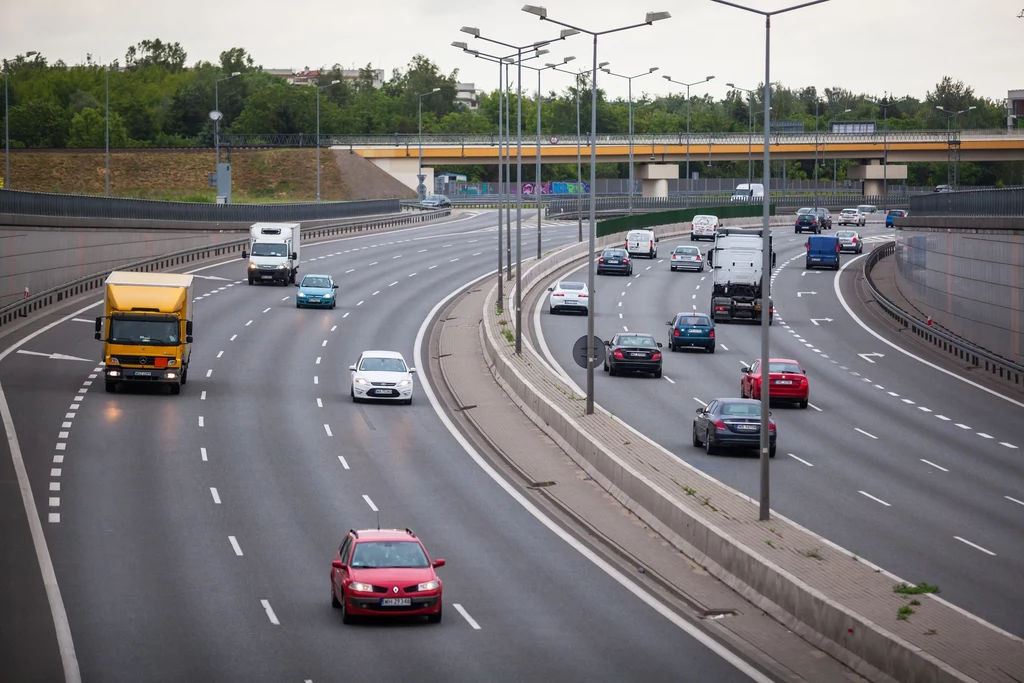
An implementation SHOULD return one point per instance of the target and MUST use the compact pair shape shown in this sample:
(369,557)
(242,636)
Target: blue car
(316,291)
(892,215)
(692,329)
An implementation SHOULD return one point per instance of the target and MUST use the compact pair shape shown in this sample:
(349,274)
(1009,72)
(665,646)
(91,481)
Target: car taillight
(721,308)
(652,244)
(583,296)
(698,257)
(558,294)
(675,332)
(808,245)
(711,334)
(771,426)
(855,240)
(719,424)
(625,260)
(601,259)
(618,353)
(837,247)
(656,355)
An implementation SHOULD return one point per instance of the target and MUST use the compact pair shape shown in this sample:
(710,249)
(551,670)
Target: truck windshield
(141,331)
(269,249)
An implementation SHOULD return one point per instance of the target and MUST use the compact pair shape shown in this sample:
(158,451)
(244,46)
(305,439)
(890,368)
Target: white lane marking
(344,463)
(393,283)
(421,251)
(350,270)
(480,252)
(55,472)
(399,256)
(849,311)
(620,304)
(412,274)
(54,502)
(943,418)
(324,344)
(319,403)
(327,428)
(65,425)
(200,420)
(962,426)
(877,500)
(216,496)
(209,372)
(267,309)
(465,615)
(432,267)
(373,264)
(55,486)
(219,354)
(1008,445)
(202,396)
(453,260)
(233,337)
(334,327)
(318,360)
(359,304)
(248,323)
(316,379)
(930,463)
(700,401)
(82,320)
(815,407)
(893,394)
(975,545)
(879,386)
(370,503)
(795,457)
(86,383)
(62,446)
(865,433)
(923,409)
(724,347)
(69,416)
(620,316)
(270,612)
(53,517)
(375,293)
(284,299)
(234,545)
(907,401)
(983,435)
(625,329)
(202,453)
(668,379)
(62,435)
(1014,500)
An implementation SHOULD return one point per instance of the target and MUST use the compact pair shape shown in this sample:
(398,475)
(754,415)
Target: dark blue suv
(691,329)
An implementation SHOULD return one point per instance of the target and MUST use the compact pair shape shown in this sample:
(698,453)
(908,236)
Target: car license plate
(143,373)
(382,392)
(637,355)
(695,330)
(314,301)
(815,258)
(569,302)
(266,277)
(784,381)
(746,428)
(396,602)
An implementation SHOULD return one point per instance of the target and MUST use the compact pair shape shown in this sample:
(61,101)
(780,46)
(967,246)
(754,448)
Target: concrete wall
(968,275)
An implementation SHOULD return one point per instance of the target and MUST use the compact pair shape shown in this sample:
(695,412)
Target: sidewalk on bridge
(648,559)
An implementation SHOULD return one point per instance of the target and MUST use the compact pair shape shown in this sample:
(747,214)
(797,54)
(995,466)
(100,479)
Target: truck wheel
(110,387)
(184,376)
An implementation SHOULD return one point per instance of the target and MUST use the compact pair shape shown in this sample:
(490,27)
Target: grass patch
(690,492)
(903,612)
(814,554)
(511,338)
(919,589)
(768,542)
(915,602)
(707,502)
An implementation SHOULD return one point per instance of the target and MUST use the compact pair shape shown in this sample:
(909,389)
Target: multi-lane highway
(904,465)
(191,536)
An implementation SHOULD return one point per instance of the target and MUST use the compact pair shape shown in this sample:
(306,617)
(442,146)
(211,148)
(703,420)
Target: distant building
(1015,109)
(465,93)
(309,76)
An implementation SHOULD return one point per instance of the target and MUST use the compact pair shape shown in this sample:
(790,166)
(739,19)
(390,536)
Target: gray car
(850,240)
(687,258)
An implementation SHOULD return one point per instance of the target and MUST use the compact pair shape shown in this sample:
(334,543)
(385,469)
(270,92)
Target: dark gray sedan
(633,351)
(732,423)
(614,261)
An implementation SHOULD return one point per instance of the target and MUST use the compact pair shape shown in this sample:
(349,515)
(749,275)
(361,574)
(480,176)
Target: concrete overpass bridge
(657,154)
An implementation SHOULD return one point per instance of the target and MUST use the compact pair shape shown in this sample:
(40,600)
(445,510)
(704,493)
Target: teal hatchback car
(692,329)
(316,291)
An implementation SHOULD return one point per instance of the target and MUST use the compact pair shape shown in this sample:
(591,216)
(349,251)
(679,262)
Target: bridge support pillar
(873,173)
(405,171)
(655,178)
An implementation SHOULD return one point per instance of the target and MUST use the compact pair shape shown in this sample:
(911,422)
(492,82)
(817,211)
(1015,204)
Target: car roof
(692,314)
(573,282)
(382,354)
(635,334)
(738,400)
(783,360)
(316,275)
(384,535)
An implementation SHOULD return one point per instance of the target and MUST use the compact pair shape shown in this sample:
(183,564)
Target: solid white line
(667,379)
(865,433)
(465,615)
(344,463)
(938,467)
(209,372)
(877,500)
(319,403)
(975,545)
(849,311)
(370,502)
(1018,502)
(200,420)
(234,544)
(800,459)
(815,407)
(327,428)
(270,612)
(202,453)
(216,496)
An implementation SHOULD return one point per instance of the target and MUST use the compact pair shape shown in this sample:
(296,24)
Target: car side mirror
(335,286)
(805,372)
(188,338)
(551,289)
(338,564)
(745,370)
(245,254)
(352,368)
(607,343)
(99,326)
(669,323)
(700,411)
(412,371)
(659,345)
(438,563)
(294,256)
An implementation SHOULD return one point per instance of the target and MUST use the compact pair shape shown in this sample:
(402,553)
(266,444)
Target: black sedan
(614,261)
(732,423)
(807,222)
(824,218)
(633,352)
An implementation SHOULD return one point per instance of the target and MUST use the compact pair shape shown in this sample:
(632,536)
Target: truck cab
(273,252)
(822,252)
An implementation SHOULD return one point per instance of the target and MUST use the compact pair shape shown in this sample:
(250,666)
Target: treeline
(156,100)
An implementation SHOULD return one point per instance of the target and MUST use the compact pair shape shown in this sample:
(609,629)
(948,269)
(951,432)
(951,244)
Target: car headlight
(281,267)
(252,265)
(302,295)
(405,383)
(429,586)
(361,587)
(360,380)
(328,295)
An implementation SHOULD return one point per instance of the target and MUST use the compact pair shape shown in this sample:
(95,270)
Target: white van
(703,227)
(642,242)
(748,192)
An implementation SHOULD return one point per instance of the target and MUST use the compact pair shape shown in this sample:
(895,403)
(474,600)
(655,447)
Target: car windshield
(613,253)
(774,366)
(805,210)
(845,233)
(821,212)
(744,409)
(694,320)
(849,211)
(142,331)
(389,554)
(315,281)
(636,340)
(268,249)
(687,250)
(571,286)
(382,365)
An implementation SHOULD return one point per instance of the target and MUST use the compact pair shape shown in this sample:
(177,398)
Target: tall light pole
(421,189)
(579,151)
(216,107)
(835,163)
(689,182)
(953,182)
(750,131)
(7,122)
(629,79)
(884,106)
(766,231)
(318,89)
(106,125)
(651,17)
(537,183)
(475,32)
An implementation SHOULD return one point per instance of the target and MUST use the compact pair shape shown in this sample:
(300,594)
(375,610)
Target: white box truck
(273,252)
(737,263)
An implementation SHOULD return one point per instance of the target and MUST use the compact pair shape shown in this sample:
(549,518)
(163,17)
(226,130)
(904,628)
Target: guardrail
(55,295)
(19,202)
(569,207)
(1003,202)
(950,343)
(639,141)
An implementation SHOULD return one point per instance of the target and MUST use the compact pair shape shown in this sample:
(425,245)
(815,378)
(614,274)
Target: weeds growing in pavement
(907,589)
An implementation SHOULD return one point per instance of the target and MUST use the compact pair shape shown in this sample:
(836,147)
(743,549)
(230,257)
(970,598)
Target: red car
(788,381)
(385,572)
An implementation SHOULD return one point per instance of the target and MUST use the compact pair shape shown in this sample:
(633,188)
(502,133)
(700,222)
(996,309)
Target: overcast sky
(870,46)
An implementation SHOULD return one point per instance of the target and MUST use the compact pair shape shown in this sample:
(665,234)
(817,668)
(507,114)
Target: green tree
(88,130)
(171,56)
(40,124)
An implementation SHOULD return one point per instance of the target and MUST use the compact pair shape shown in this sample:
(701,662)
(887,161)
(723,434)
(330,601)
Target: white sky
(903,46)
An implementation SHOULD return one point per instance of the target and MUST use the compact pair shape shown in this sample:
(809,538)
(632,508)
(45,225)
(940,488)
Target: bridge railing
(1002,202)
(565,207)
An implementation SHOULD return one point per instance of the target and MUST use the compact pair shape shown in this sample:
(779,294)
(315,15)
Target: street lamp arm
(769,14)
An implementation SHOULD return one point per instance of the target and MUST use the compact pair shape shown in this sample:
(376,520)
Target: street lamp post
(765,507)
(629,79)
(318,89)
(565,33)
(421,189)
(216,107)
(106,125)
(579,152)
(750,131)
(835,164)
(689,185)
(884,106)
(7,122)
(651,17)
(953,181)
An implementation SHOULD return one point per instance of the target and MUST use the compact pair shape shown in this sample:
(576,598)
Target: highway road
(900,463)
(195,532)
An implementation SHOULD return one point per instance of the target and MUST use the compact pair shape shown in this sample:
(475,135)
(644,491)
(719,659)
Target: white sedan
(381,376)
(569,296)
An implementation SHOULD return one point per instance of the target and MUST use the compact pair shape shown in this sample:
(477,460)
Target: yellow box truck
(146,329)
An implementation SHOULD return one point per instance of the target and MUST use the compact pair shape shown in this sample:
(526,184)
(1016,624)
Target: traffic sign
(579,351)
